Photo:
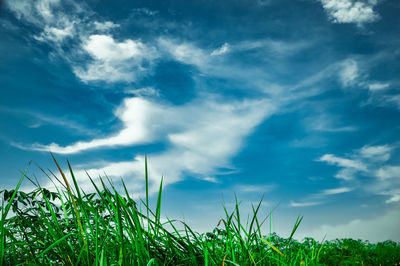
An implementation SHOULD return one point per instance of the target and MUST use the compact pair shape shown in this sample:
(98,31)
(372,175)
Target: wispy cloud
(378,86)
(114,61)
(254,188)
(222,50)
(33,11)
(335,191)
(320,197)
(136,114)
(351,11)
(93,53)
(388,172)
(326,123)
(304,204)
(343,162)
(35,119)
(48,16)
(56,34)
(190,131)
(348,72)
(372,162)
(377,153)
(105,26)
(185,52)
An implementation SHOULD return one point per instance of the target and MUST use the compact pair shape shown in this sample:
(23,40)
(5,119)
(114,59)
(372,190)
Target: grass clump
(71,227)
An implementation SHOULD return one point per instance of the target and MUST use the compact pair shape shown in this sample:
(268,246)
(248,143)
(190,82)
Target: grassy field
(70,227)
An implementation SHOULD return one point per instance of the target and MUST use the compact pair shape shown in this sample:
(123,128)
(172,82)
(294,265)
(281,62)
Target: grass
(71,227)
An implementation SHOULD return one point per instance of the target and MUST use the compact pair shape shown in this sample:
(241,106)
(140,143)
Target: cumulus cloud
(351,11)
(114,61)
(110,60)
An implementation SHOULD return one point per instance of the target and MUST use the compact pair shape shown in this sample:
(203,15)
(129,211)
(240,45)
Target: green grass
(71,227)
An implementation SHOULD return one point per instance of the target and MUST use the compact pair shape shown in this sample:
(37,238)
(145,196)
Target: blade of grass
(4,213)
(272,246)
(54,244)
(72,200)
(296,225)
(158,208)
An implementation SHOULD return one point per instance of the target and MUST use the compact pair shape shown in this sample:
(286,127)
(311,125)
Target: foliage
(70,227)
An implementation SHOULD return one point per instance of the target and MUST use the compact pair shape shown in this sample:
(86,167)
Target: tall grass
(71,227)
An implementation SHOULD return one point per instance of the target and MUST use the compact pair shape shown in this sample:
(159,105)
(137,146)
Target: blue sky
(294,100)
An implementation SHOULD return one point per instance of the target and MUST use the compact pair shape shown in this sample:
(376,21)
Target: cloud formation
(334,191)
(372,165)
(114,61)
(305,204)
(349,72)
(202,136)
(342,162)
(351,11)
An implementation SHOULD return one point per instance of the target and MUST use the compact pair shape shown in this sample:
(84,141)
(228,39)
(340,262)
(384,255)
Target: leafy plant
(71,227)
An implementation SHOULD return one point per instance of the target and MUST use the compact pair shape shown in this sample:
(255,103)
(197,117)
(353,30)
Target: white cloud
(304,204)
(104,47)
(56,35)
(46,15)
(335,191)
(381,153)
(220,51)
(254,188)
(392,99)
(343,162)
(377,86)
(388,171)
(377,178)
(33,11)
(111,60)
(146,91)
(326,123)
(184,52)
(203,136)
(104,26)
(351,11)
(137,116)
(114,61)
(348,72)
(210,179)
(394,198)
(346,174)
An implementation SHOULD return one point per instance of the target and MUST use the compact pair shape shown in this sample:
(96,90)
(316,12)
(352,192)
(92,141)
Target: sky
(296,102)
